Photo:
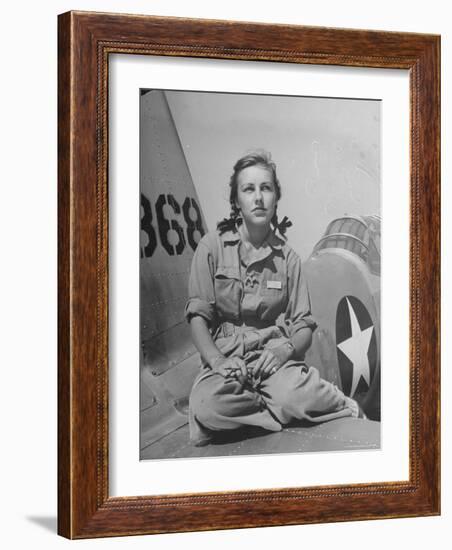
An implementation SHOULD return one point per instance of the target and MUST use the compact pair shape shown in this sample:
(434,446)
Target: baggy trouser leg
(298,392)
(218,404)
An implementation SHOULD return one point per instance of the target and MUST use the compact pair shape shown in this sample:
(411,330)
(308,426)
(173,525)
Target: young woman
(250,319)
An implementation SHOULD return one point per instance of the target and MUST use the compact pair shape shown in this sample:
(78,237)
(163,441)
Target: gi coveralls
(250,306)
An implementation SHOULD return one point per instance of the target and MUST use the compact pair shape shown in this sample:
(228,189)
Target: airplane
(346,344)
(342,273)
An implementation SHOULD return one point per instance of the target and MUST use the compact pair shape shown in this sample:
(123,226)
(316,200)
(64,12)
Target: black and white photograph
(259,274)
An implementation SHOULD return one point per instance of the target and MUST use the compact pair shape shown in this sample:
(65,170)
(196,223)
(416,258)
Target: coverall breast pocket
(273,297)
(228,288)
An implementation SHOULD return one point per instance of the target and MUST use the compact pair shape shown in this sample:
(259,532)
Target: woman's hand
(230,367)
(270,361)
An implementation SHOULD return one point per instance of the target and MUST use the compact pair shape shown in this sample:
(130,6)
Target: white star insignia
(356,348)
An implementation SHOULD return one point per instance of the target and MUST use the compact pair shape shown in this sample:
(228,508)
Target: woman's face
(256,195)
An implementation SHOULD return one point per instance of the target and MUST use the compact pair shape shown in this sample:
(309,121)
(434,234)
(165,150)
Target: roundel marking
(356,345)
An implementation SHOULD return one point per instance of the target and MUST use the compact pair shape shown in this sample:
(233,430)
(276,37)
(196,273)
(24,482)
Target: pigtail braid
(282,226)
(231,223)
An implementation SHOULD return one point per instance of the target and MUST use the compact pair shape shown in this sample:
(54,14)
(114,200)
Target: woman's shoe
(354,406)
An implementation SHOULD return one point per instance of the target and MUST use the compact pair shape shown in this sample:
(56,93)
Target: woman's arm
(203,340)
(227,367)
(298,317)
(200,312)
(301,341)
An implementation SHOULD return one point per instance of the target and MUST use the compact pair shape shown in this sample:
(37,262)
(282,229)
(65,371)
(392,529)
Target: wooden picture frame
(85,42)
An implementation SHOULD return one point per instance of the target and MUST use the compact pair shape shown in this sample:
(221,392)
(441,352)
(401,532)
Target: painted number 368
(170,232)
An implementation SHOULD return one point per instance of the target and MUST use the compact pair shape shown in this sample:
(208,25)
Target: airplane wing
(338,435)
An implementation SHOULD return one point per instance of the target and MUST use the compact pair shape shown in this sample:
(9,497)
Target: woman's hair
(258,158)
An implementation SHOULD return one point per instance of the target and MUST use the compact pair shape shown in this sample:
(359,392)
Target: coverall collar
(234,237)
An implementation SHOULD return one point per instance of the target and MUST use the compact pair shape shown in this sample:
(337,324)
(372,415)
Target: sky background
(326,150)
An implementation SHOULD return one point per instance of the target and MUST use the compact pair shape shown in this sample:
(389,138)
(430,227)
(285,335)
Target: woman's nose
(258,195)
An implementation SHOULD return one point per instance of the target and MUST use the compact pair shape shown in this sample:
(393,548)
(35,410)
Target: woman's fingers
(233,367)
(268,363)
(270,369)
(263,362)
(225,368)
(238,370)
(258,365)
(240,366)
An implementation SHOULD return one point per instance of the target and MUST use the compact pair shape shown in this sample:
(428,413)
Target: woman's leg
(218,404)
(297,392)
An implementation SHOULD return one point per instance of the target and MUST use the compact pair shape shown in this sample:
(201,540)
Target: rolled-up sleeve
(298,313)
(201,293)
